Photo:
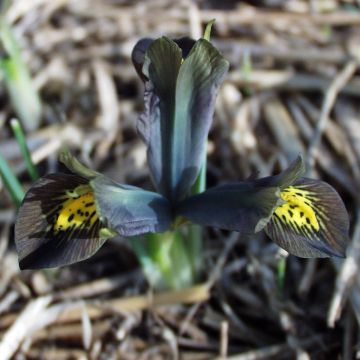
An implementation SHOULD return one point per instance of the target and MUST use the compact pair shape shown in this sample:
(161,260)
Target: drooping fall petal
(66,218)
(130,210)
(312,222)
(305,217)
(242,207)
(57,223)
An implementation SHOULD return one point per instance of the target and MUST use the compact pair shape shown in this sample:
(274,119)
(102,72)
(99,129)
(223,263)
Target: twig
(307,278)
(287,80)
(24,326)
(346,277)
(215,274)
(96,287)
(336,86)
(224,340)
(348,351)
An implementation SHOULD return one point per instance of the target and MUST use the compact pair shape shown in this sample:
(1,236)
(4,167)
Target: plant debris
(293,86)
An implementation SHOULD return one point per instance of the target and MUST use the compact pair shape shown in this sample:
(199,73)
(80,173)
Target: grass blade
(20,137)
(24,97)
(11,182)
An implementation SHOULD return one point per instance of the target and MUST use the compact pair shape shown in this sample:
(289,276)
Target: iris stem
(20,137)
(164,260)
(195,234)
(173,260)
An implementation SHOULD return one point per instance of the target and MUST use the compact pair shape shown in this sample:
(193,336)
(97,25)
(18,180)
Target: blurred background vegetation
(293,87)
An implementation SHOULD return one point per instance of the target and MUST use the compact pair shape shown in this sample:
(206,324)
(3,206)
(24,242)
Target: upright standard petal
(312,222)
(140,48)
(58,223)
(179,105)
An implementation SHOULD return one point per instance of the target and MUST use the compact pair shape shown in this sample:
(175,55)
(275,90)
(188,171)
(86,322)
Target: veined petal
(139,51)
(130,210)
(138,56)
(179,105)
(312,222)
(245,206)
(58,223)
(67,218)
(241,207)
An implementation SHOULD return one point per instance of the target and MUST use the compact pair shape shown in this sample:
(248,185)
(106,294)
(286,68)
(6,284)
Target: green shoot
(23,96)
(208,28)
(11,182)
(246,69)
(20,137)
(281,273)
(164,259)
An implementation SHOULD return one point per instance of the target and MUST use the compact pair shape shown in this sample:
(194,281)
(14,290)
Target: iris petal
(179,104)
(58,223)
(312,222)
(66,218)
(130,210)
(240,207)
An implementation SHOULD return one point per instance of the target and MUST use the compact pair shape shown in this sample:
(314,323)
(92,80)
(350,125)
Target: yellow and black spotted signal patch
(299,210)
(76,212)
(312,222)
(58,223)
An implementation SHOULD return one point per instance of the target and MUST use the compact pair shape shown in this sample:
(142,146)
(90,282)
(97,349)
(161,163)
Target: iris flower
(66,218)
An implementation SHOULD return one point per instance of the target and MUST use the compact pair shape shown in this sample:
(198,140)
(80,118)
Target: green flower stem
(194,246)
(172,260)
(24,98)
(194,241)
(164,260)
(20,137)
(11,182)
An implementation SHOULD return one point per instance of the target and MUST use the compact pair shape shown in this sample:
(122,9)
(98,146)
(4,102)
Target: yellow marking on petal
(75,212)
(298,209)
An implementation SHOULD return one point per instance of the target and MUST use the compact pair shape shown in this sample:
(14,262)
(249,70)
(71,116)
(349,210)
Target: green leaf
(24,97)
(11,182)
(312,222)
(21,139)
(179,105)
(208,28)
